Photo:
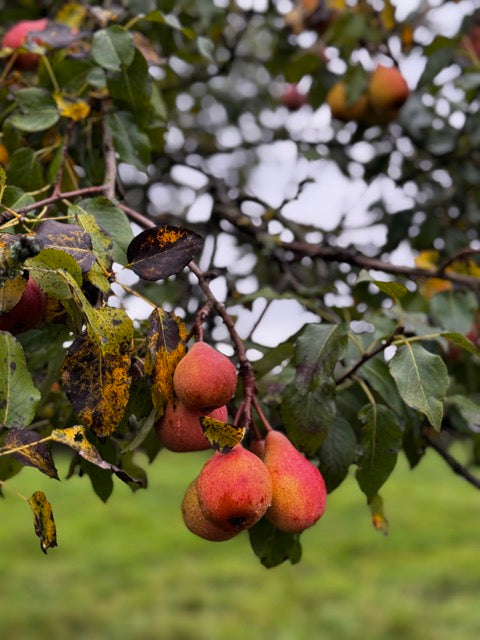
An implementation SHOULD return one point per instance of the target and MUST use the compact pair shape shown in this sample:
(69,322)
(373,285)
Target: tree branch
(110,177)
(452,462)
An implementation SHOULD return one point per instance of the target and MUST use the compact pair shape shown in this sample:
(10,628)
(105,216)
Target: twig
(67,195)
(452,462)
(68,139)
(368,356)
(110,176)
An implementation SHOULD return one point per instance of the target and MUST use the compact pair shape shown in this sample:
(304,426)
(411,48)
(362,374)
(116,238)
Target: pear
(204,378)
(387,88)
(337,101)
(179,428)
(299,492)
(196,522)
(234,489)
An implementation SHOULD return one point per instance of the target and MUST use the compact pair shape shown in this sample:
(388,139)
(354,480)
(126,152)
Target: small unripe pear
(292,98)
(234,489)
(179,428)
(204,378)
(337,101)
(196,522)
(299,492)
(387,88)
(16,36)
(29,311)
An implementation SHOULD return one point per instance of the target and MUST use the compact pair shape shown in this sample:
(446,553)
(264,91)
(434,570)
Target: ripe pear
(337,101)
(179,428)
(299,492)
(387,88)
(234,489)
(17,35)
(196,522)
(204,378)
(28,313)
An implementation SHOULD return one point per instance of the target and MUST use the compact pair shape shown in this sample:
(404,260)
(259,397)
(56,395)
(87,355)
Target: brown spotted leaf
(162,251)
(44,523)
(76,439)
(11,292)
(165,349)
(31,454)
(69,238)
(96,372)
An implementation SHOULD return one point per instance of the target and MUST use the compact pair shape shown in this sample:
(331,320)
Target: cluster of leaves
(125,99)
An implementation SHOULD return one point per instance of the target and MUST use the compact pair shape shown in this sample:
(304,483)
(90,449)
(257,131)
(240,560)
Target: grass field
(130,570)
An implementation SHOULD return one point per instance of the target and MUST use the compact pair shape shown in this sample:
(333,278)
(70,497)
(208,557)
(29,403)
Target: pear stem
(261,415)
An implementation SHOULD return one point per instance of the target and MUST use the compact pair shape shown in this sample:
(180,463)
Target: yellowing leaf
(165,349)
(387,15)
(29,453)
(407,37)
(427,259)
(72,14)
(11,292)
(379,520)
(74,108)
(221,435)
(340,5)
(44,522)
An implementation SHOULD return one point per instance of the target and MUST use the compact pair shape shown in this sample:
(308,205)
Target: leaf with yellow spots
(71,107)
(165,348)
(96,371)
(44,522)
(22,442)
(387,16)
(11,292)
(221,435)
(76,438)
(379,520)
(71,14)
(160,252)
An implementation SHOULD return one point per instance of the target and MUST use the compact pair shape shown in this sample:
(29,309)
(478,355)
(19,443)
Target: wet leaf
(96,372)
(76,438)
(273,546)
(221,435)
(38,456)
(18,395)
(44,522)
(162,251)
(68,238)
(165,349)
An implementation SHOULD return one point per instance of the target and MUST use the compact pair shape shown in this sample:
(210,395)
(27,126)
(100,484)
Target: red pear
(204,378)
(29,311)
(196,522)
(299,492)
(234,489)
(179,428)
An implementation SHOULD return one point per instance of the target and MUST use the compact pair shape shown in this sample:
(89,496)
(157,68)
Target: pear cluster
(387,91)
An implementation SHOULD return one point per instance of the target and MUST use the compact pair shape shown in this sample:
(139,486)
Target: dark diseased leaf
(76,438)
(44,522)
(165,349)
(380,443)
(337,453)
(422,380)
(19,397)
(68,238)
(96,372)
(273,546)
(162,251)
(29,453)
(308,406)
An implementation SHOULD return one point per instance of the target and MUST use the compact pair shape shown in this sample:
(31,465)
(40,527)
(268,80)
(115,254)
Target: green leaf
(206,47)
(392,289)
(422,380)
(19,397)
(308,406)
(381,440)
(133,87)
(115,223)
(337,453)
(377,374)
(454,310)
(25,172)
(39,111)
(131,144)
(469,410)
(273,546)
(460,340)
(113,48)
(170,20)
(48,269)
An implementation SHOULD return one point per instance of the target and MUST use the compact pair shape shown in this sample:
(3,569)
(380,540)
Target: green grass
(130,570)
